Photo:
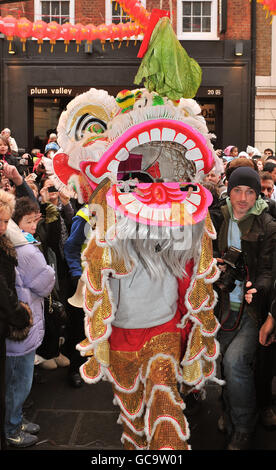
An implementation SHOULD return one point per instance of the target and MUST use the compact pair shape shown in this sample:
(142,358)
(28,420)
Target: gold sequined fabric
(205,261)
(199,359)
(145,385)
(145,388)
(91,370)
(98,307)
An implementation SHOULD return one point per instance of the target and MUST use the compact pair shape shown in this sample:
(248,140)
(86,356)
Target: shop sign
(53,91)
(210,92)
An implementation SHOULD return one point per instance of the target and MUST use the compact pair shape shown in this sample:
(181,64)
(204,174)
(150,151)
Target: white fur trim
(178,376)
(132,389)
(125,411)
(87,379)
(129,424)
(180,433)
(125,437)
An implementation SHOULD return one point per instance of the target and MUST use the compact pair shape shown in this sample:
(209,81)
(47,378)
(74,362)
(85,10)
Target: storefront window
(197,19)
(118,14)
(61,11)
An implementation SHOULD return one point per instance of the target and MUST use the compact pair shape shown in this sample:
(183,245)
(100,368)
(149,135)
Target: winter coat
(76,242)
(34,281)
(12,313)
(258,243)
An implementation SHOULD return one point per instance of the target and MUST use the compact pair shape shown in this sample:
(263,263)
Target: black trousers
(265,371)
(2,392)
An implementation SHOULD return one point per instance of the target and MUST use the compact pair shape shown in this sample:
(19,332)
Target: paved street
(86,419)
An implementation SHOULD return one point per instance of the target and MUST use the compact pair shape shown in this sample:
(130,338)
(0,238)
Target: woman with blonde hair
(13,314)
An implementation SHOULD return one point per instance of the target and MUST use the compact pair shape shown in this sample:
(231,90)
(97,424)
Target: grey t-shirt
(143,302)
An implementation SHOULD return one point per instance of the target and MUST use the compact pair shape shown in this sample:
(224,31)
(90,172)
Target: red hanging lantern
(137,31)
(53,32)
(121,33)
(102,33)
(132,30)
(136,11)
(9,28)
(66,34)
(113,33)
(140,14)
(1,25)
(269,6)
(90,35)
(81,34)
(24,30)
(39,32)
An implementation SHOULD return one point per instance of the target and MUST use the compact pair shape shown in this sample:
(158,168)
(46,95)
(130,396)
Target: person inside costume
(148,266)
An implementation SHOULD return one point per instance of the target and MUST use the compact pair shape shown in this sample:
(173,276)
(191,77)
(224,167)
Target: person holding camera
(12,181)
(246,241)
(53,231)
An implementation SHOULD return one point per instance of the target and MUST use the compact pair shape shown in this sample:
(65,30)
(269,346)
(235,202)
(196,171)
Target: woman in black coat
(12,312)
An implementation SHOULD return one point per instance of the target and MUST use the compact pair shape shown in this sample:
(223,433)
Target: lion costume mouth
(163,146)
(162,131)
(167,204)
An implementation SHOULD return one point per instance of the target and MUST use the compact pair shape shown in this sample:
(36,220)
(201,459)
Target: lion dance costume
(137,161)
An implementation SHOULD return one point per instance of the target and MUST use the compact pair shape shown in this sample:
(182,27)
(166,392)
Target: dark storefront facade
(36,87)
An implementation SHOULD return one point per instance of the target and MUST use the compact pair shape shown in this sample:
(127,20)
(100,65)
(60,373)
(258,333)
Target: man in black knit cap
(246,242)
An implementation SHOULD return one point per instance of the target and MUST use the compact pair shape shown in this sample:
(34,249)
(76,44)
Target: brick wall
(263,42)
(90,12)
(86,11)
(238,19)
(18,9)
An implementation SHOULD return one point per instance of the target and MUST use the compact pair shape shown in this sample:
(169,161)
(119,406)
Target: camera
(1,165)
(52,189)
(57,308)
(235,269)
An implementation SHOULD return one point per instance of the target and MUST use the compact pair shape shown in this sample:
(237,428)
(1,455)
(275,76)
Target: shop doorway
(45,113)
(211,110)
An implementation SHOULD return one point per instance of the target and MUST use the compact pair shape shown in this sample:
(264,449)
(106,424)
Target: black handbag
(56,309)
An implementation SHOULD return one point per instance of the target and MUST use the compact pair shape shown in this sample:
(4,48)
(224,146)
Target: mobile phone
(52,189)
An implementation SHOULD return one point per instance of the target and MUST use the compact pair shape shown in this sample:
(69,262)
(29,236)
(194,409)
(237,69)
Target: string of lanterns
(40,30)
(24,28)
(269,6)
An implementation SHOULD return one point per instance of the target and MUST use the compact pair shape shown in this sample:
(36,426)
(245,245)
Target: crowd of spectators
(35,225)
(42,232)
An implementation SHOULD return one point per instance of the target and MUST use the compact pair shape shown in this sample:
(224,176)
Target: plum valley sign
(53,91)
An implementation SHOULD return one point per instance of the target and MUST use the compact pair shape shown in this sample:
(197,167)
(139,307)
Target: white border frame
(213,35)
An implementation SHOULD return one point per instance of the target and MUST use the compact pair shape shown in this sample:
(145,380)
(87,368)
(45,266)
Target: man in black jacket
(246,242)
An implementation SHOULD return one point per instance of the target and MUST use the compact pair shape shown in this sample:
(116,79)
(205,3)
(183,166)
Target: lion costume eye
(88,123)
